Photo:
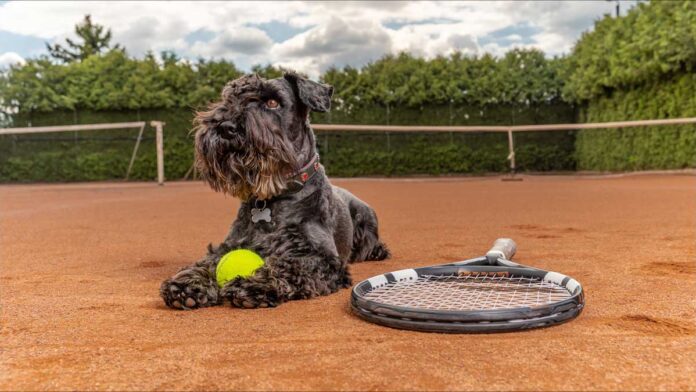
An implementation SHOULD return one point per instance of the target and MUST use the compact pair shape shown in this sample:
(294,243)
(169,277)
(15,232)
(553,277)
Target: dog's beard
(255,162)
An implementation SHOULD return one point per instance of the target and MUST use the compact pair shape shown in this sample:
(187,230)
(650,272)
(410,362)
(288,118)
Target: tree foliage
(653,41)
(114,81)
(521,77)
(94,38)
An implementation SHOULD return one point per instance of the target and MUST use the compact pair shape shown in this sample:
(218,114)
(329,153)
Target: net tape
(478,291)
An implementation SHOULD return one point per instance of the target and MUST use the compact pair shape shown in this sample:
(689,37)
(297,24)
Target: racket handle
(502,248)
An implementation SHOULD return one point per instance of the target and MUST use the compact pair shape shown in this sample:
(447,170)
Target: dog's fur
(249,150)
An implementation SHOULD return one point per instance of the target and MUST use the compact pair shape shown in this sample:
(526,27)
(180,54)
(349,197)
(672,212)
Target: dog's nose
(227,129)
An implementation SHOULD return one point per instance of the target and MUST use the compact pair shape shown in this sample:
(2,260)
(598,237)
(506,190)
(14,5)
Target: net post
(159,137)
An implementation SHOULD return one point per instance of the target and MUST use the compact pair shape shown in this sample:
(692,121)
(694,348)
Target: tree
(95,40)
(652,41)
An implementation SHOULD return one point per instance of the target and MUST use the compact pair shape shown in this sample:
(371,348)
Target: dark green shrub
(643,148)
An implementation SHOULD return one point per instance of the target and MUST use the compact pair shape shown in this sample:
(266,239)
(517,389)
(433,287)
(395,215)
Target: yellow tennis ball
(240,262)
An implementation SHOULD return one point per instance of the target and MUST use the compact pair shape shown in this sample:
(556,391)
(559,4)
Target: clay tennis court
(82,265)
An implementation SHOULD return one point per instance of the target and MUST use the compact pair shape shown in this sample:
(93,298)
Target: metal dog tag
(260,213)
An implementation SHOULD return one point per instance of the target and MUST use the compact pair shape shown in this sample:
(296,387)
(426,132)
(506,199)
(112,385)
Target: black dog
(256,144)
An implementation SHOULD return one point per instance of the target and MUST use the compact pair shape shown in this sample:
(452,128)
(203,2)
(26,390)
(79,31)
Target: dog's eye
(272,103)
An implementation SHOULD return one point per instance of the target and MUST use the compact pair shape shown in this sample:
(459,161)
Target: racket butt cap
(502,248)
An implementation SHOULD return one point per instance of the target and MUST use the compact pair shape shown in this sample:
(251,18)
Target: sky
(306,36)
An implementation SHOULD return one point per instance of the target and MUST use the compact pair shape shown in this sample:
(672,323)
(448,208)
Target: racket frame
(470,321)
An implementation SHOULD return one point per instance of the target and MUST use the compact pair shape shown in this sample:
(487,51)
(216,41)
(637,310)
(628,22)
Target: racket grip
(502,248)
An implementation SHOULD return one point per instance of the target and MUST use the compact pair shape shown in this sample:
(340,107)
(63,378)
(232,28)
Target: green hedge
(644,148)
(442,153)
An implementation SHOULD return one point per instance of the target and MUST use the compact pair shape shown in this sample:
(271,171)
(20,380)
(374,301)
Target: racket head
(469,296)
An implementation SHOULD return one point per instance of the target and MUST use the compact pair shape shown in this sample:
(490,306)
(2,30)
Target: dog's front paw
(245,293)
(185,291)
(379,252)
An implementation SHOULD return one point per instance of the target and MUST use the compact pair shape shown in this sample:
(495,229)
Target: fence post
(135,150)
(159,137)
(511,155)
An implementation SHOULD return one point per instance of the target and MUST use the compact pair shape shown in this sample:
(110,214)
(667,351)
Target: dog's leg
(288,279)
(194,286)
(366,243)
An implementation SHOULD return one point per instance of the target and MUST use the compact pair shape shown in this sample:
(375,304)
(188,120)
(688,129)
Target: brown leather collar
(297,180)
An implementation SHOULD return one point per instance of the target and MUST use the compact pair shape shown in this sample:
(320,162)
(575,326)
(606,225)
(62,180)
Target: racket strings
(469,292)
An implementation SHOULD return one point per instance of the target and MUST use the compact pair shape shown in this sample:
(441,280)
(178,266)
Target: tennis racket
(484,294)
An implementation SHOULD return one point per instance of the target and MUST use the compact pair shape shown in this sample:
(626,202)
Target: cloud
(308,36)
(139,35)
(202,35)
(280,31)
(337,36)
(463,42)
(236,41)
(336,43)
(9,58)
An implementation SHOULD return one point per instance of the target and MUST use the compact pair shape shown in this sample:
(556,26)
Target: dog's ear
(315,95)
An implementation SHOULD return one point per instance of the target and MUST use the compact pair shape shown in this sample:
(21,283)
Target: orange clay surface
(82,264)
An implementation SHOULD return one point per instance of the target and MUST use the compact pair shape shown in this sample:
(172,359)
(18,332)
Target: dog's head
(258,134)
